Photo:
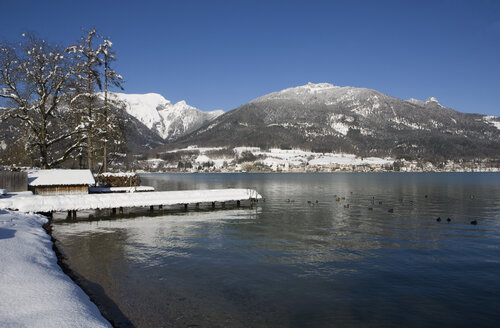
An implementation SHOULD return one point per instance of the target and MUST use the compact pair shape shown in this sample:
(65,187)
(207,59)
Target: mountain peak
(432,100)
(311,87)
(416,102)
(429,101)
(168,120)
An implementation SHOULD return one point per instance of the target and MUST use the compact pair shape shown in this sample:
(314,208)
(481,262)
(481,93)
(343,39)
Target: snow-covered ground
(202,150)
(272,158)
(297,157)
(34,292)
(493,120)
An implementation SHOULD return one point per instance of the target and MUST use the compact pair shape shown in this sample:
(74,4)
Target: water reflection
(300,263)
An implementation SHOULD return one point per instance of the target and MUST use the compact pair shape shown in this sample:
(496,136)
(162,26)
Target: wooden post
(185,207)
(197,206)
(238,203)
(151,208)
(213,204)
(69,215)
(74,214)
(113,210)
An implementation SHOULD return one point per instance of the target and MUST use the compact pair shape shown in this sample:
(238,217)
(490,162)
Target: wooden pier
(73,203)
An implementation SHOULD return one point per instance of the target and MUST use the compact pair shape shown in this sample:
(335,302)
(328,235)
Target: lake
(323,250)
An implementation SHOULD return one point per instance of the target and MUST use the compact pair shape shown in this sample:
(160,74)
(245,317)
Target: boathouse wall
(60,190)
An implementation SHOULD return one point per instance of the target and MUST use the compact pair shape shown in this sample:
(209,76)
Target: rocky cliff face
(169,121)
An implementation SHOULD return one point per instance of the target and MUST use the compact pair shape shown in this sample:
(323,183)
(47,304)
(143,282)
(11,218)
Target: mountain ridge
(167,120)
(362,121)
(316,117)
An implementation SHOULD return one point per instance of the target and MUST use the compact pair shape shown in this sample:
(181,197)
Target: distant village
(253,159)
(399,166)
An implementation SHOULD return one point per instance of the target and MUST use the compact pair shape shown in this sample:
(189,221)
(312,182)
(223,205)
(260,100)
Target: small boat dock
(114,201)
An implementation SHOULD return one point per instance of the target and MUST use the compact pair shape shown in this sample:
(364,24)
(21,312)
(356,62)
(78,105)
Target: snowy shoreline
(34,290)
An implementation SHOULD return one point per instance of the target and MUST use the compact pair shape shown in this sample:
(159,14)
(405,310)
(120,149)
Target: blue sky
(222,54)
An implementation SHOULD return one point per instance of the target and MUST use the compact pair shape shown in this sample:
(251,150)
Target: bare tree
(86,56)
(53,95)
(35,77)
(102,126)
(109,121)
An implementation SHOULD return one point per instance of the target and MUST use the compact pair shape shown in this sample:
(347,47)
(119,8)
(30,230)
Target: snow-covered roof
(60,178)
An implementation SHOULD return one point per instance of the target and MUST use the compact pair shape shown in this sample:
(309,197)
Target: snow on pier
(56,203)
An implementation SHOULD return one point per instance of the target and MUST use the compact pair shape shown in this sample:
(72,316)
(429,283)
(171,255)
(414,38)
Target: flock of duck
(390,210)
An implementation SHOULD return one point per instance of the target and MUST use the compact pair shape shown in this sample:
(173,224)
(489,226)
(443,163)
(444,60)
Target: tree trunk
(90,127)
(105,149)
(44,161)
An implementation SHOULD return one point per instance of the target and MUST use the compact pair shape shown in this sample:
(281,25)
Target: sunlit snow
(34,291)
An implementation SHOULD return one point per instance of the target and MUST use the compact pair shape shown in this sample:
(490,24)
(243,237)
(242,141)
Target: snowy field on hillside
(297,157)
(272,158)
(34,292)
(293,156)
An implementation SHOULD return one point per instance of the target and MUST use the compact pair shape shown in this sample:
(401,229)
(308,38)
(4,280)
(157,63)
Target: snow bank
(38,203)
(34,292)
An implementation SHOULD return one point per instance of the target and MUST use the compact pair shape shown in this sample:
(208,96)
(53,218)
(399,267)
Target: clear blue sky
(221,54)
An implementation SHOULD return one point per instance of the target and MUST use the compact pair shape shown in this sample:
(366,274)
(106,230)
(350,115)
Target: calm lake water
(295,264)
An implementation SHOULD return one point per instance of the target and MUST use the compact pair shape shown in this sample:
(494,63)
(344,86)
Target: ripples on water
(295,264)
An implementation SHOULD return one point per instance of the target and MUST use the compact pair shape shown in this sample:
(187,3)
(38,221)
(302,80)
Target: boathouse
(60,182)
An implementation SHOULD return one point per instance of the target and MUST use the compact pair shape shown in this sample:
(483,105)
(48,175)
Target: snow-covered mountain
(150,121)
(167,120)
(365,122)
